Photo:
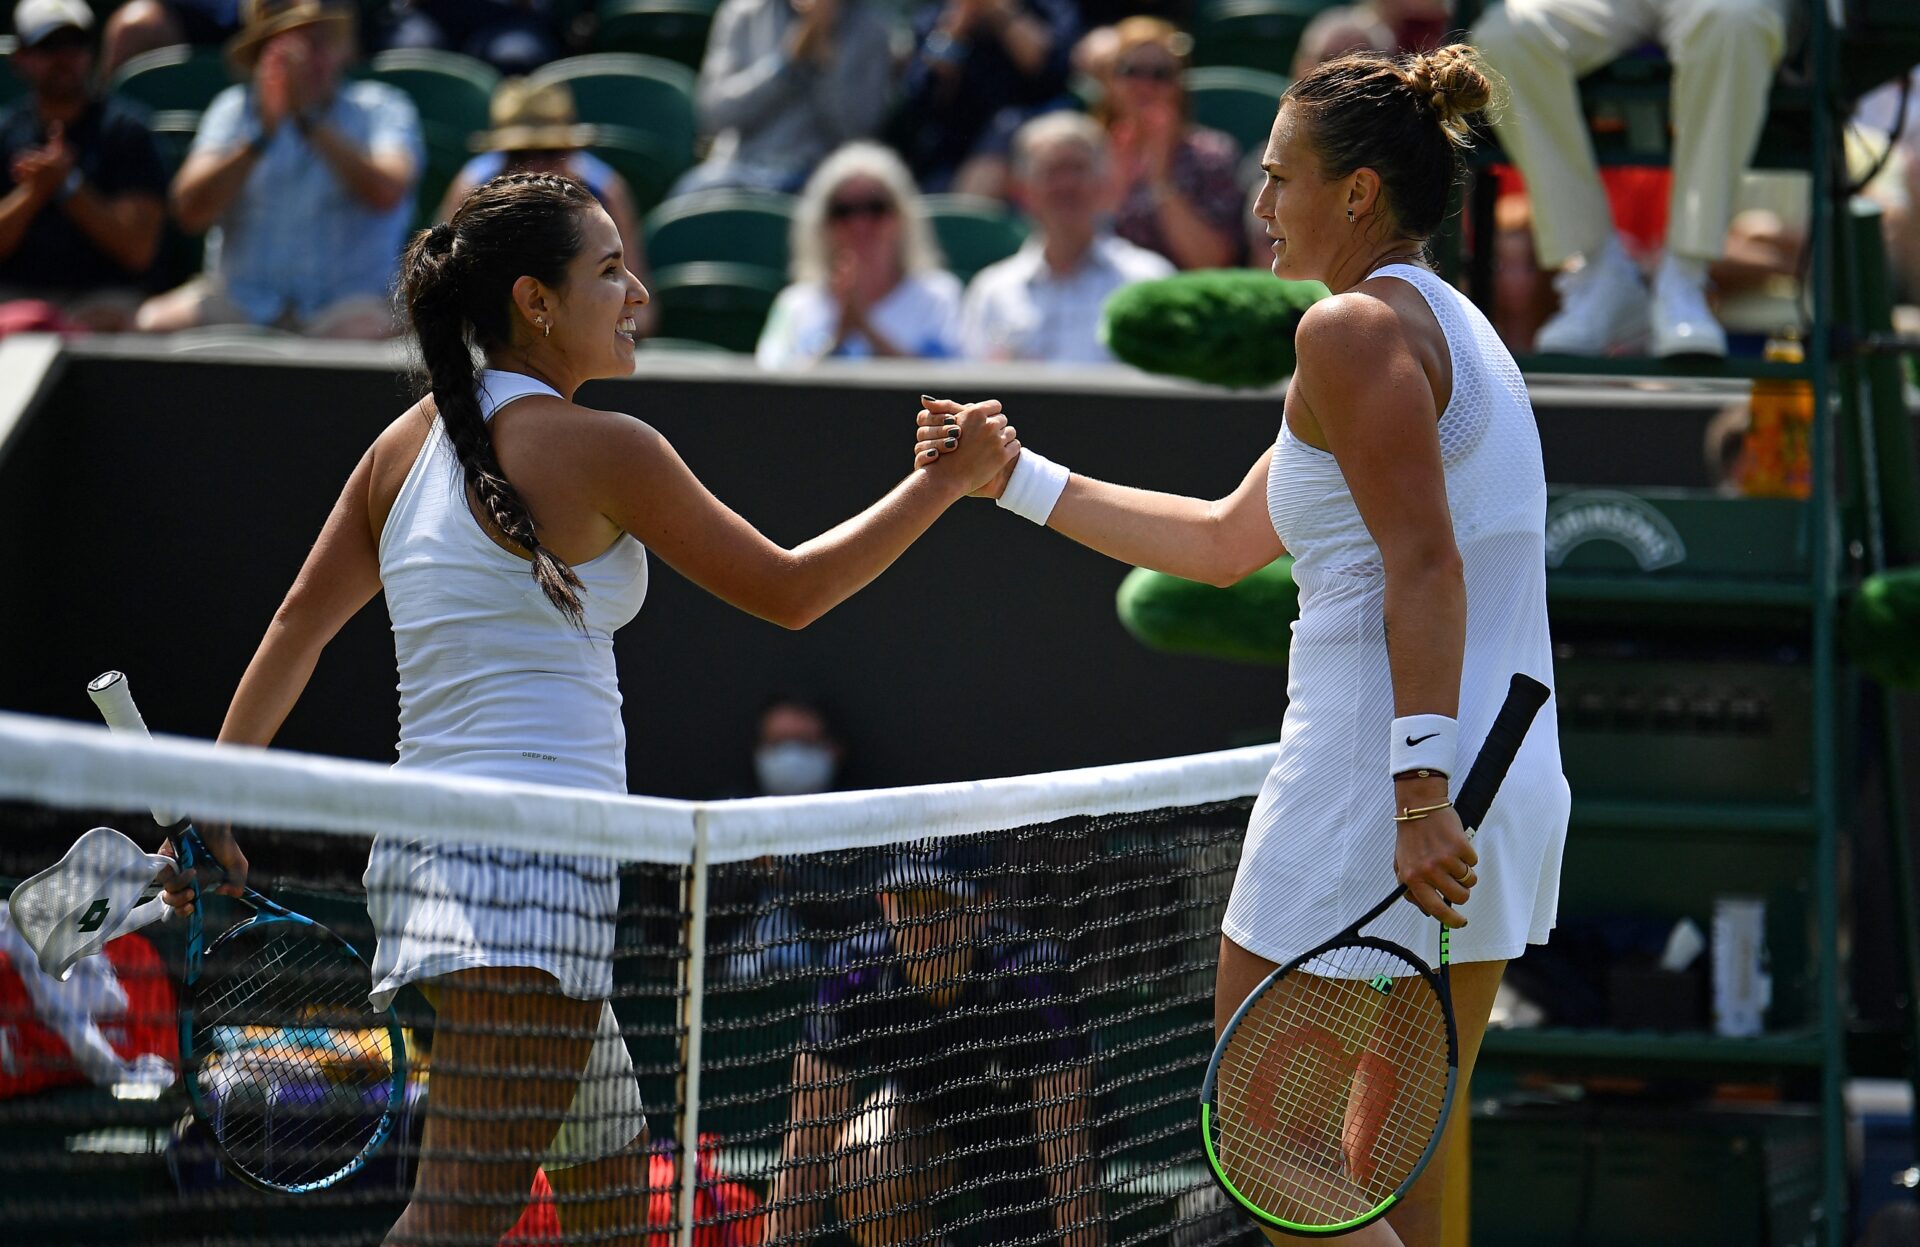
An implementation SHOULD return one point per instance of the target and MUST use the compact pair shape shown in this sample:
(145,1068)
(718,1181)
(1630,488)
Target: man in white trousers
(1724,53)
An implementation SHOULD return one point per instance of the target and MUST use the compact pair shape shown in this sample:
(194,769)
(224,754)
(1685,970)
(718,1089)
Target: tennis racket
(1329,1089)
(296,1079)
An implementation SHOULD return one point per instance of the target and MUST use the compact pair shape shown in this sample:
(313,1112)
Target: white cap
(102,888)
(34,20)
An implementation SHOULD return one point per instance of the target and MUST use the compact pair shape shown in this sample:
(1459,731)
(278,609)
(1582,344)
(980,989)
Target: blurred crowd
(925,178)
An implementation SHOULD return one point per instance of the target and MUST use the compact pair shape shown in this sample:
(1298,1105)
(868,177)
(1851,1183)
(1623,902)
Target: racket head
(1330,1087)
(297,1081)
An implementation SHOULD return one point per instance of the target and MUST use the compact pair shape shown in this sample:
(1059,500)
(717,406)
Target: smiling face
(592,313)
(1304,211)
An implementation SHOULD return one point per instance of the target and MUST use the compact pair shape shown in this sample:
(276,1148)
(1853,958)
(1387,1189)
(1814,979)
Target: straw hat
(529,116)
(263,19)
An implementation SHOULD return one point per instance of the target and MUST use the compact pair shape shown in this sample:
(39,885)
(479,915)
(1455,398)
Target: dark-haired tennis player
(508,528)
(1408,484)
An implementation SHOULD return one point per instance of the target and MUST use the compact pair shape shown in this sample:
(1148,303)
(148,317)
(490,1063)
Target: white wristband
(1424,742)
(1034,487)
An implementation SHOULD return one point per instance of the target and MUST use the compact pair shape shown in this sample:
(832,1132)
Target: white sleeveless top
(1320,843)
(494,680)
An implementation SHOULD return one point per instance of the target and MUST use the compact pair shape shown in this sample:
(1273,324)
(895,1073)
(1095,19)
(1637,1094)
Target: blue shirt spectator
(296,239)
(304,181)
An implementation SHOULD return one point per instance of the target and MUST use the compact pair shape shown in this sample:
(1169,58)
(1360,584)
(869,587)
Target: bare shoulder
(391,457)
(1347,331)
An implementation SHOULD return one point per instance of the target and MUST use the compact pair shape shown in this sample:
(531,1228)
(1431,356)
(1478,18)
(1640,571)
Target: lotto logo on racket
(96,914)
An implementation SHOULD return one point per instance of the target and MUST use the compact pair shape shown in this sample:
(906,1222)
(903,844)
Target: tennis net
(967,1014)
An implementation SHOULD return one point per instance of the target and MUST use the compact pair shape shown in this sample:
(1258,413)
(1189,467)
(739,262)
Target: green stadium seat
(1239,101)
(640,161)
(180,77)
(673,29)
(731,226)
(724,304)
(448,89)
(174,128)
(1260,34)
(973,232)
(643,93)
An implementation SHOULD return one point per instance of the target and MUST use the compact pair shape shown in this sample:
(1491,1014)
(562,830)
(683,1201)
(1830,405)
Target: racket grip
(1525,696)
(114,698)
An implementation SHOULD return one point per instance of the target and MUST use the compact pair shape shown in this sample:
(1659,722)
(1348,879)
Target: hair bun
(440,237)
(1452,82)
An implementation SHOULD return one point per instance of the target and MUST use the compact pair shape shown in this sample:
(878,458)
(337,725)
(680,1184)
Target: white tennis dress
(495,681)
(1319,846)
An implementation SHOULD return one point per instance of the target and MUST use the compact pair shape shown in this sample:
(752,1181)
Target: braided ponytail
(456,282)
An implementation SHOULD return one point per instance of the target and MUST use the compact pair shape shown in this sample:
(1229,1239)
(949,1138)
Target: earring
(546,327)
(1349,214)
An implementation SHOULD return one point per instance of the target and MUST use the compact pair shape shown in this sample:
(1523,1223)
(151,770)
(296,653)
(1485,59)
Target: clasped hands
(972,440)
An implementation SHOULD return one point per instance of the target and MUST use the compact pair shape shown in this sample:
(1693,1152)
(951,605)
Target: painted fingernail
(952,442)
(926,398)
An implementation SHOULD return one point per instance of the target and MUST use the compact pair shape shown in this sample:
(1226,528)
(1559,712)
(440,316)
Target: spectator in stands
(535,130)
(306,181)
(513,36)
(84,182)
(1178,183)
(1337,31)
(789,908)
(956,1035)
(979,69)
(1043,303)
(785,82)
(1723,53)
(144,25)
(867,275)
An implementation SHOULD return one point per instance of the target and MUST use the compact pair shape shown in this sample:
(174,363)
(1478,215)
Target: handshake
(970,442)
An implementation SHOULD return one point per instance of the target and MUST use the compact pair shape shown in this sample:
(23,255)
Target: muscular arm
(1360,382)
(1218,542)
(1065,1142)
(341,575)
(815,1114)
(643,486)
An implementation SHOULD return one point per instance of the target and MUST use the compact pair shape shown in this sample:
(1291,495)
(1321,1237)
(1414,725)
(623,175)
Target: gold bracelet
(1415,815)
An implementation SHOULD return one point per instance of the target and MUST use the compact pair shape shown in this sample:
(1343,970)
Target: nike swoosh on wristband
(1411,742)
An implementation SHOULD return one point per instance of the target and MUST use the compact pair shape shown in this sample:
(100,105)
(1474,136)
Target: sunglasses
(1150,73)
(848,209)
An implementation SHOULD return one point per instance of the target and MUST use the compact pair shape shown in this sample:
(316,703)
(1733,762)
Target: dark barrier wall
(157,506)
(160,508)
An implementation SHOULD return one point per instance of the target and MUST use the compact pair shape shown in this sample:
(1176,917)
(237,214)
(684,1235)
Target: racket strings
(1331,1087)
(294,1065)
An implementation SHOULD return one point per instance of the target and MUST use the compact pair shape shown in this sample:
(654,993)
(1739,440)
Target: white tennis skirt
(1320,842)
(445,907)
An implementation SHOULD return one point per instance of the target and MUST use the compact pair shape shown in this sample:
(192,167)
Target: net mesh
(942,1017)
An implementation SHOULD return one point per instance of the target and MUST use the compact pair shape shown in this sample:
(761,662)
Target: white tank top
(1320,841)
(494,680)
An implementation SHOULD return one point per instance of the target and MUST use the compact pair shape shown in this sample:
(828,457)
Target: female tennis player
(1408,484)
(503,631)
